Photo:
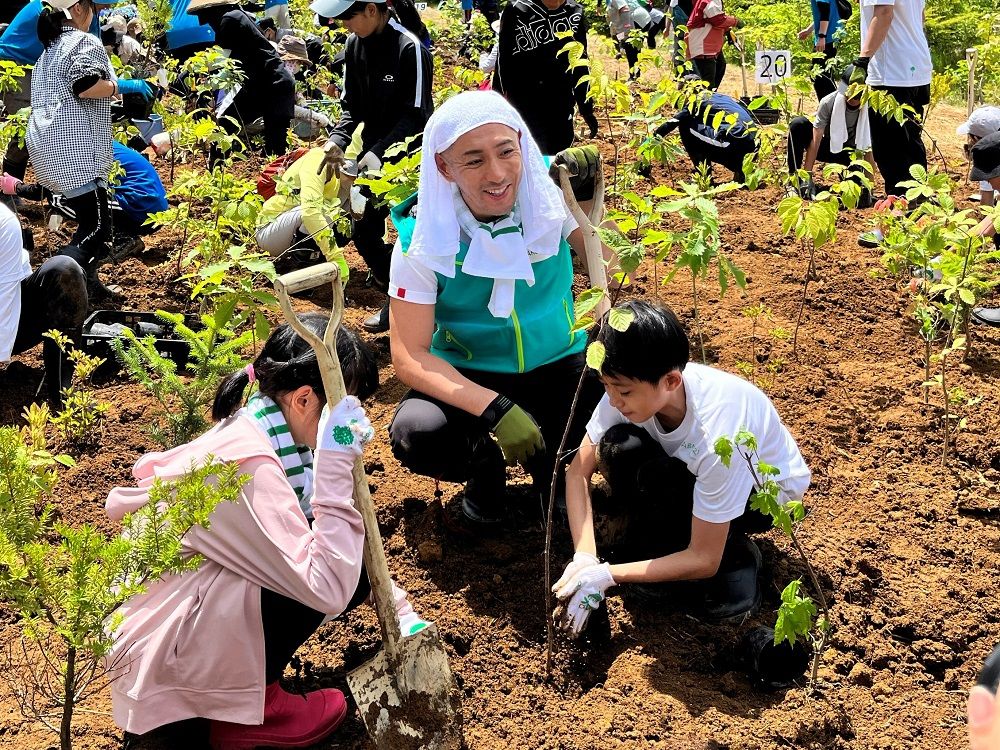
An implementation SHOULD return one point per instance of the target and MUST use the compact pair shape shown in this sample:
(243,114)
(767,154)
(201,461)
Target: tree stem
(69,700)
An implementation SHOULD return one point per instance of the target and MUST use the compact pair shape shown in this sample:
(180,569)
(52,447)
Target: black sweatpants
(54,296)
(731,157)
(93,226)
(434,439)
(711,69)
(369,239)
(800,133)
(896,147)
(628,49)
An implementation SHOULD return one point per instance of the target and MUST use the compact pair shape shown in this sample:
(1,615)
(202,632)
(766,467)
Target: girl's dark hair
(50,24)
(403,11)
(287,361)
(653,344)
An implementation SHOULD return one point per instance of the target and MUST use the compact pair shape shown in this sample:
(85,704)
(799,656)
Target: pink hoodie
(192,645)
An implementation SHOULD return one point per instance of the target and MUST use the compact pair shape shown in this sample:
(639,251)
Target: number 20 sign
(773,65)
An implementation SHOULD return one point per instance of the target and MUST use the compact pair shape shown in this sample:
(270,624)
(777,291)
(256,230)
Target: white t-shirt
(720,404)
(904,59)
(14,268)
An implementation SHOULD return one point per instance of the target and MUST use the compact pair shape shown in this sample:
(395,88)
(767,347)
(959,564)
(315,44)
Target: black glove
(591,119)
(582,163)
(807,189)
(32,191)
(860,72)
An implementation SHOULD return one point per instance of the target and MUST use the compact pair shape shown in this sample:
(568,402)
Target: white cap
(333,8)
(981,123)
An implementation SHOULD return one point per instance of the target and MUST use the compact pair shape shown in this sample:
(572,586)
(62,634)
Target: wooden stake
(970,58)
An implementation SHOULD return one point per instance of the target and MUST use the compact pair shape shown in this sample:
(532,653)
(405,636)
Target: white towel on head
(505,249)
(838,125)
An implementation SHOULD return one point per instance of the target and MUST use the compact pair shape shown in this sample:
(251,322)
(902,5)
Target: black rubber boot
(483,502)
(733,593)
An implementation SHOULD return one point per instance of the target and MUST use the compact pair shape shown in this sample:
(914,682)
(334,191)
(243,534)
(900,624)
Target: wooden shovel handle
(333,383)
(588,224)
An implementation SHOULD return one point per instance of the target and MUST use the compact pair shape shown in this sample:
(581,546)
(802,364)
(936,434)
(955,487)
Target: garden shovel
(406,694)
(588,224)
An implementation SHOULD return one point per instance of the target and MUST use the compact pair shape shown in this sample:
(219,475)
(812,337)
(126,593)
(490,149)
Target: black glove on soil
(582,163)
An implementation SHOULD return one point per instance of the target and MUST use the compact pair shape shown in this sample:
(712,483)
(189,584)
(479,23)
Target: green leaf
(967,296)
(795,615)
(595,355)
(586,301)
(620,318)
(724,450)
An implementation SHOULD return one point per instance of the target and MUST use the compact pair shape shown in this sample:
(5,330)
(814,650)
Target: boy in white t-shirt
(652,437)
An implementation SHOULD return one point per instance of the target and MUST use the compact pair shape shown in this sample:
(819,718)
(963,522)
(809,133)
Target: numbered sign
(773,65)
(421,6)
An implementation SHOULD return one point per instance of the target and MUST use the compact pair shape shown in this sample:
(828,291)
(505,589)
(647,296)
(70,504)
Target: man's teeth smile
(497,192)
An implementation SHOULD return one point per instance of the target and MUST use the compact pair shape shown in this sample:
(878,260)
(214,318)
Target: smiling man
(481,317)
(652,437)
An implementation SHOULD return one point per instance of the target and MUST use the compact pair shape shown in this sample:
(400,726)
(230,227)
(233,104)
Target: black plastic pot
(773,667)
(763,115)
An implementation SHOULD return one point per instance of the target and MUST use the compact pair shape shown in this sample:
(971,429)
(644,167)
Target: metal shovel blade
(413,704)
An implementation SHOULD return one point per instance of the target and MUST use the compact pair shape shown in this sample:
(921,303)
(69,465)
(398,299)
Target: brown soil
(907,549)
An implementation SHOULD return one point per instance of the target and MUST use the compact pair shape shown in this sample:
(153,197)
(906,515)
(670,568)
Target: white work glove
(369,163)
(581,595)
(345,429)
(580,561)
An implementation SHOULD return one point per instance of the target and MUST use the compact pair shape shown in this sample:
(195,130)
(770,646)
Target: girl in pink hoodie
(200,654)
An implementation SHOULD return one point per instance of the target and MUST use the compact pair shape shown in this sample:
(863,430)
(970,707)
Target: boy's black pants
(896,147)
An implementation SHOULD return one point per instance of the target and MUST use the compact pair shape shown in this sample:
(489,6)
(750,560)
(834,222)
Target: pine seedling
(82,415)
(184,398)
(65,583)
(797,615)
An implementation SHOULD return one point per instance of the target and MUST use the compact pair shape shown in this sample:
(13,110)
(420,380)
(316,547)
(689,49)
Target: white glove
(585,592)
(369,163)
(345,429)
(580,561)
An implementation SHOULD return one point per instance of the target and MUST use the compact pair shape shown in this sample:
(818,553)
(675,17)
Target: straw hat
(293,49)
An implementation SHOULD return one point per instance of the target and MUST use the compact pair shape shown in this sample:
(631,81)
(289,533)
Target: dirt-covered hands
(345,429)
(582,594)
(333,160)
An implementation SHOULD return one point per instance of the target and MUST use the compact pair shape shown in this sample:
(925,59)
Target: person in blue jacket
(728,144)
(19,43)
(186,35)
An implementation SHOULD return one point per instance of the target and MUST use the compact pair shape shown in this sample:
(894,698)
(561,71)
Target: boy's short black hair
(653,344)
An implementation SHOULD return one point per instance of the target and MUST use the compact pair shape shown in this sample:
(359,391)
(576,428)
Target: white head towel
(505,249)
(838,125)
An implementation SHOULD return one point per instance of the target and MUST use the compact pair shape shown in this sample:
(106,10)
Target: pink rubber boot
(289,721)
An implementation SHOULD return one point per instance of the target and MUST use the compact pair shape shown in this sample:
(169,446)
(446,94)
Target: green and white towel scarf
(297,460)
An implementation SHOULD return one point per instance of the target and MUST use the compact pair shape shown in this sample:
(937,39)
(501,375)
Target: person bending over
(688,515)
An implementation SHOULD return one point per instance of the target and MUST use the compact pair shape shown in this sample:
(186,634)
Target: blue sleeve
(20,41)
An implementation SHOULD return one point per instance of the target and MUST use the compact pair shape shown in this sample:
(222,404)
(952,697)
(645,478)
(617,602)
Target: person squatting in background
(204,651)
(840,128)
(54,296)
(687,515)
(268,90)
(69,132)
(728,144)
(535,78)
(387,87)
(482,305)
(983,121)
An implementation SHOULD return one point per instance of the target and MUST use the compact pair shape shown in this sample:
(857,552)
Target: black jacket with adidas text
(387,86)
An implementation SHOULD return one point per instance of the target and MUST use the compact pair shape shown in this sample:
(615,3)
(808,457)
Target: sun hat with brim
(986,158)
(981,123)
(293,49)
(63,5)
(334,8)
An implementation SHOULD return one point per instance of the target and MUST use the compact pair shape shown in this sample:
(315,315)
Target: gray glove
(582,163)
